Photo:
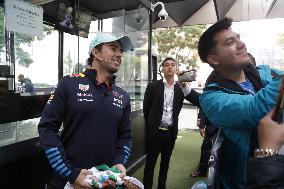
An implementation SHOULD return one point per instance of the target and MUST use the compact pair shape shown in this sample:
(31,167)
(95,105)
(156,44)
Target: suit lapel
(161,89)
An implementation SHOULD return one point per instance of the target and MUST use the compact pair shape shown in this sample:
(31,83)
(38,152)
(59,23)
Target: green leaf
(23,57)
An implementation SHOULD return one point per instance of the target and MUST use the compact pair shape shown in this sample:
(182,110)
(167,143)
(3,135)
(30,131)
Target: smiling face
(109,56)
(230,52)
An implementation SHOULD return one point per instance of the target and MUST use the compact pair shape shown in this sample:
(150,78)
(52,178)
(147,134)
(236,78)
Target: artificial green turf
(184,160)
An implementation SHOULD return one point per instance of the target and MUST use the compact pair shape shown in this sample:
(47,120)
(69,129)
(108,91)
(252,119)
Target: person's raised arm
(270,133)
(235,106)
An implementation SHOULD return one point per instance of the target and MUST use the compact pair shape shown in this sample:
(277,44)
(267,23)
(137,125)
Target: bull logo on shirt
(84,87)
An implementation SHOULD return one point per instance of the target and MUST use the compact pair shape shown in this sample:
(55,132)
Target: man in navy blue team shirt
(95,114)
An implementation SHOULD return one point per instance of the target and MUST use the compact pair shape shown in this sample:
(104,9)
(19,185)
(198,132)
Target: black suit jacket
(153,107)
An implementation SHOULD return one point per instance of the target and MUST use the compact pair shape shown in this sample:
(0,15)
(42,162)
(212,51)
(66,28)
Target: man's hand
(122,170)
(80,181)
(270,133)
(183,84)
(202,132)
(178,72)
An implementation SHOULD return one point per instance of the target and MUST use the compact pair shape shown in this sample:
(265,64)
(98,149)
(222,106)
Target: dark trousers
(206,149)
(266,173)
(205,154)
(163,144)
(50,187)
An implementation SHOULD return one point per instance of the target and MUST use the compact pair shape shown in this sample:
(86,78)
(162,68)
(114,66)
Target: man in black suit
(161,107)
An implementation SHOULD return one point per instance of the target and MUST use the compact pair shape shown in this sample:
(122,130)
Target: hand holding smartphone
(187,76)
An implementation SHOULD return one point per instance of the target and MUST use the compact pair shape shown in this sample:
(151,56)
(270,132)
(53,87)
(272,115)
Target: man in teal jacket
(236,96)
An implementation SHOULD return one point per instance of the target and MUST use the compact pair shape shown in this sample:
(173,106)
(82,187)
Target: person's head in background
(21,77)
(169,67)
(222,48)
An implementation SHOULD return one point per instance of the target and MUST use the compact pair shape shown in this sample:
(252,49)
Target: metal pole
(12,56)
(77,24)
(150,47)
(60,54)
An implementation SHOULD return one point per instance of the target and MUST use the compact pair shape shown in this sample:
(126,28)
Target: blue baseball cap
(107,37)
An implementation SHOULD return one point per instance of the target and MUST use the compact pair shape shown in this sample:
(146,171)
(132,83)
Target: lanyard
(247,86)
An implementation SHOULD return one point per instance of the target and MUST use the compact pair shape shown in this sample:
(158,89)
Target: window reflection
(71,63)
(2,36)
(70,55)
(133,73)
(36,62)
(14,132)
(4,65)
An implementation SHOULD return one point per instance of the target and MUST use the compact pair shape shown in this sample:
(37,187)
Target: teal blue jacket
(237,113)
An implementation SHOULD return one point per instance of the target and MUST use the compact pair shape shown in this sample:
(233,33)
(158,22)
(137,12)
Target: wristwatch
(267,152)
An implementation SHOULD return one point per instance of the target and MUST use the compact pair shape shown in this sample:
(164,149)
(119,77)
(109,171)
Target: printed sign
(23,17)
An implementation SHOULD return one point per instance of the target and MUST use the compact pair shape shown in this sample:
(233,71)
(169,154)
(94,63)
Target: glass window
(37,61)
(133,73)
(14,132)
(2,36)
(5,70)
(114,25)
(71,63)
(70,55)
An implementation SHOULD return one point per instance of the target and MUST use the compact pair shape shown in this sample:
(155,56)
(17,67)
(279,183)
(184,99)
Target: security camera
(138,18)
(163,13)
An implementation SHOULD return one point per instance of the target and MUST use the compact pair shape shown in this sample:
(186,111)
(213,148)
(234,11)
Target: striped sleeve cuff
(59,166)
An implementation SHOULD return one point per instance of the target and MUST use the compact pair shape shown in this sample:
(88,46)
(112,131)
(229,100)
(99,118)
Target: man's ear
(213,60)
(95,52)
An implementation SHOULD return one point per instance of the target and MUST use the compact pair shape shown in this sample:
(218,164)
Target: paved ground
(188,117)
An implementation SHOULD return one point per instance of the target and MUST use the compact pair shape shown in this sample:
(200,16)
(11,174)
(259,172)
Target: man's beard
(109,68)
(112,70)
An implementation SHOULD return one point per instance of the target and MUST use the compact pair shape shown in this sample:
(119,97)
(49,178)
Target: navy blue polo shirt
(96,126)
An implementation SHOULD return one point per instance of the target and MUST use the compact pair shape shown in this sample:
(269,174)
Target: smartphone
(187,76)
(278,114)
